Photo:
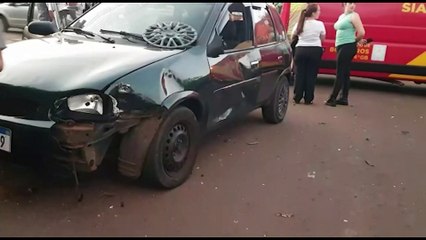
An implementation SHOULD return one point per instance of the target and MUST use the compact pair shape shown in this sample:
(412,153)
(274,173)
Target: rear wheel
(274,111)
(173,151)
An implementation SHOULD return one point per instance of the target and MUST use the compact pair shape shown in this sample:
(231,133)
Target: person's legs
(338,81)
(312,72)
(300,81)
(343,59)
(63,17)
(73,14)
(350,51)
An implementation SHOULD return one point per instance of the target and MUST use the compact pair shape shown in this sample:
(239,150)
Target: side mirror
(41,28)
(215,47)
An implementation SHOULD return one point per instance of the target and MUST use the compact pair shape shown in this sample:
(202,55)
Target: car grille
(22,108)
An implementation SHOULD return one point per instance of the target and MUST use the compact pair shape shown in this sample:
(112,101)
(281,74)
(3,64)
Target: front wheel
(173,151)
(274,111)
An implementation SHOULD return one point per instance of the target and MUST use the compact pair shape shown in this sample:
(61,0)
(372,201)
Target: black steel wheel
(173,150)
(274,111)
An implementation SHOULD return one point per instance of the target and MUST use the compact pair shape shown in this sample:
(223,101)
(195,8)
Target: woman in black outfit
(311,33)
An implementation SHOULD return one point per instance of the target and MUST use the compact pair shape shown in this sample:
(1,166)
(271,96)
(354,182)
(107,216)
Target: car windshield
(136,18)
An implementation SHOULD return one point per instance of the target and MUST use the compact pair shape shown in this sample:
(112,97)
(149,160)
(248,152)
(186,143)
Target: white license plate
(5,136)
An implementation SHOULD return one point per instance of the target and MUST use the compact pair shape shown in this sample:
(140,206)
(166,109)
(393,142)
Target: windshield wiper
(123,33)
(87,33)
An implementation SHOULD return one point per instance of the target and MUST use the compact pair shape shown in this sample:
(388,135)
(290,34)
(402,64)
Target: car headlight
(88,103)
(94,107)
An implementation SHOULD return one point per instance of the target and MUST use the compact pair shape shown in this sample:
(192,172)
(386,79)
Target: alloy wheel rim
(170,35)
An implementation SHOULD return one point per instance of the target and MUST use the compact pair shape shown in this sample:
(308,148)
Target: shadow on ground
(378,86)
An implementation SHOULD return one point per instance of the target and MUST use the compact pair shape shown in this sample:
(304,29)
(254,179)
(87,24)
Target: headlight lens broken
(88,103)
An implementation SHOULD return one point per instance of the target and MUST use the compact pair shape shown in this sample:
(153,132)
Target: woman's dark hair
(310,9)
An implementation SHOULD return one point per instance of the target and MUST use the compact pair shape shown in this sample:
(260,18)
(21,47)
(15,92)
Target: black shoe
(296,101)
(331,103)
(308,102)
(342,102)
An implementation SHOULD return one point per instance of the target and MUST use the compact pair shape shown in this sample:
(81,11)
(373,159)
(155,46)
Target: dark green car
(146,79)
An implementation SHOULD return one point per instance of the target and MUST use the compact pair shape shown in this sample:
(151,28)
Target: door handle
(254,63)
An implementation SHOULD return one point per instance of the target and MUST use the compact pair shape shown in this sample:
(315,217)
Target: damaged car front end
(153,76)
(71,113)
(74,131)
(84,126)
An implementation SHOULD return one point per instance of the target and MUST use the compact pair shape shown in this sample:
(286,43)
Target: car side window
(264,31)
(279,28)
(236,28)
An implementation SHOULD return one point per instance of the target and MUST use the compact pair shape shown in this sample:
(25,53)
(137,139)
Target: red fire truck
(398,31)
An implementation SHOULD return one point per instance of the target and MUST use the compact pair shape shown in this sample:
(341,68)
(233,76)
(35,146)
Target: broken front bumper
(29,140)
(82,144)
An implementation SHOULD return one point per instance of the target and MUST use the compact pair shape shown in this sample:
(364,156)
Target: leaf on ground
(369,164)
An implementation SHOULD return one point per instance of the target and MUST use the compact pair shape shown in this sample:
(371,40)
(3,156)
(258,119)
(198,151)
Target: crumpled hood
(56,65)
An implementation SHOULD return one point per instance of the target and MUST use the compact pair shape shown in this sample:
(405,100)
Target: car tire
(274,111)
(173,151)
(3,24)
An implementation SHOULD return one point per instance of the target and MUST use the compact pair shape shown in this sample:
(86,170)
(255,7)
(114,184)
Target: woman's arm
(322,37)
(322,32)
(293,32)
(359,27)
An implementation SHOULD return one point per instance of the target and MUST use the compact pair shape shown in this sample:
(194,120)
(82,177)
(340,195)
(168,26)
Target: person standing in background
(43,12)
(346,26)
(295,11)
(88,6)
(73,10)
(311,33)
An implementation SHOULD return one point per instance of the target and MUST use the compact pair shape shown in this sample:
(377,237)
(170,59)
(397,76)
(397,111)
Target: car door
(234,74)
(18,14)
(274,53)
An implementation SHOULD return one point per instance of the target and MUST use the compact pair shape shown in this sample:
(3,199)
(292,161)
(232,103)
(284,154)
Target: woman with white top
(311,33)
